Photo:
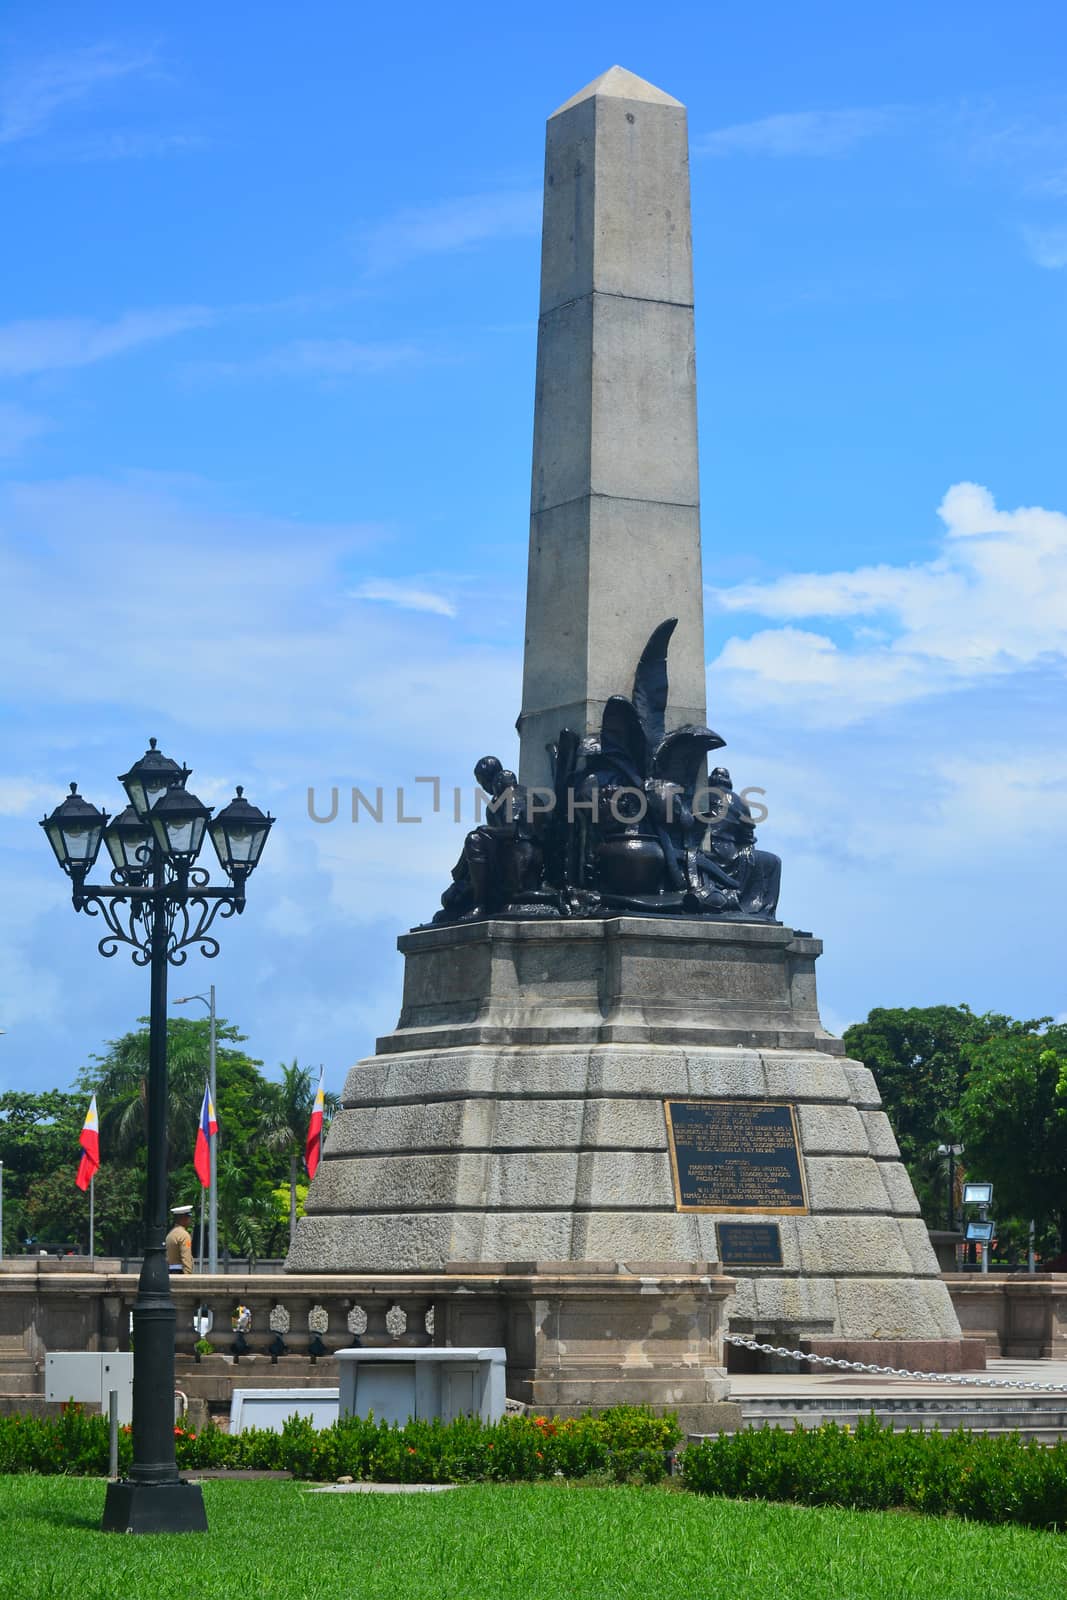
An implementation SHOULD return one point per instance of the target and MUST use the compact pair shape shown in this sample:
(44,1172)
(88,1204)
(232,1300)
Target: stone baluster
(414,1310)
(378,1334)
(299,1336)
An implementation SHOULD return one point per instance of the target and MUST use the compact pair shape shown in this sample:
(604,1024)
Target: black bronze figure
(632,824)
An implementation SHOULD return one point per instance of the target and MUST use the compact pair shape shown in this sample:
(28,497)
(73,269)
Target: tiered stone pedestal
(516,1115)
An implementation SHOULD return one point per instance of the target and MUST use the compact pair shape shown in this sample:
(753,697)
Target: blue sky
(267,335)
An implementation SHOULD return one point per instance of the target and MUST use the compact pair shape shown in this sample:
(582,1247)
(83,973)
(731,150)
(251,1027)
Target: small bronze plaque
(749,1244)
(735,1155)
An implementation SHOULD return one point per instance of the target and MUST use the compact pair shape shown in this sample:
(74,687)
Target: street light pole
(951,1151)
(158,903)
(213,1197)
(154,1316)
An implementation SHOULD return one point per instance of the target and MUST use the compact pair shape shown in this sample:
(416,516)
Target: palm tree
(284,1125)
(247,1222)
(121,1081)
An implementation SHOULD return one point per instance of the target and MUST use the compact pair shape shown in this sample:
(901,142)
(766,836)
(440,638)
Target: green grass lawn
(536,1542)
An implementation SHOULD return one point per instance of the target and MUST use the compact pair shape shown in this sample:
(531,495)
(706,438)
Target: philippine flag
(313,1147)
(204,1134)
(90,1147)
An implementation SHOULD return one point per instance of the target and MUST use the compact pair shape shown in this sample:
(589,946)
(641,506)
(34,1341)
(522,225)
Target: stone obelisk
(615,514)
(522,1109)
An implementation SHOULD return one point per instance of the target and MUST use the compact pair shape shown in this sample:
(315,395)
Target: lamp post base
(154,1508)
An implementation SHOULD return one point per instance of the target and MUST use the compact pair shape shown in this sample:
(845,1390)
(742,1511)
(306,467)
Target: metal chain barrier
(893,1372)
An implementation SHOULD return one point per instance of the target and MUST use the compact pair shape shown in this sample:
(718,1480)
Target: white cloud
(268,638)
(131,609)
(21,795)
(992,602)
(451,225)
(801,133)
(130,146)
(30,101)
(17,427)
(320,358)
(48,344)
(407,596)
(1047,247)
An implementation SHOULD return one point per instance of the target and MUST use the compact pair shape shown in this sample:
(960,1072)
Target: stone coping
(710,930)
(456,1277)
(427,1352)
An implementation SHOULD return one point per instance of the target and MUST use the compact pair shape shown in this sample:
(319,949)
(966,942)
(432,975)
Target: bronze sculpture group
(632,824)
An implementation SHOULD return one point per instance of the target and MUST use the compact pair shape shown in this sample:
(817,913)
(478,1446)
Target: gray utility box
(423,1382)
(271,1408)
(91,1375)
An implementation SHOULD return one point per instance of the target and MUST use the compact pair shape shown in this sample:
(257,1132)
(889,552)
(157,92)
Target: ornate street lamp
(159,903)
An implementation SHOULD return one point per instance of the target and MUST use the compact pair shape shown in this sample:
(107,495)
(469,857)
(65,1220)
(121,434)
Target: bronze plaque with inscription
(735,1155)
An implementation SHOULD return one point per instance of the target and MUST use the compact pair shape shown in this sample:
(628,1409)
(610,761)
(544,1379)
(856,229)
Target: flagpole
(200,1264)
(213,1142)
(92,1219)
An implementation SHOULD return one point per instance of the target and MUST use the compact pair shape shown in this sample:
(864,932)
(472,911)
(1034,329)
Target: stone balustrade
(1020,1315)
(578,1334)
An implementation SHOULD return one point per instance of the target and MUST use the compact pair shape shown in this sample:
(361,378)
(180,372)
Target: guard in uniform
(180,1241)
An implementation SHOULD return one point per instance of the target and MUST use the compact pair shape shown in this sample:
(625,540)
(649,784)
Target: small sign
(735,1155)
(749,1244)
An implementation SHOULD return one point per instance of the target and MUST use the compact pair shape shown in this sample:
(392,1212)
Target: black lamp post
(951,1151)
(159,903)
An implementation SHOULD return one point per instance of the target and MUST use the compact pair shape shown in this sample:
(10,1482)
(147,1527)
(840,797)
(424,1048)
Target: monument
(609,1049)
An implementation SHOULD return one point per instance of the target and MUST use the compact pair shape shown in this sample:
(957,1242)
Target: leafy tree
(1013,1115)
(248,1218)
(57,1212)
(262,1126)
(120,1081)
(38,1134)
(918,1055)
(284,1124)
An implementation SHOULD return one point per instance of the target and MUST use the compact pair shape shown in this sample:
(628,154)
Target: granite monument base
(518,1113)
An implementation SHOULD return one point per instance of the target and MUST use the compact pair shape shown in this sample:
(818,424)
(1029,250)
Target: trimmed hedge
(974,1475)
(624,1443)
(965,1474)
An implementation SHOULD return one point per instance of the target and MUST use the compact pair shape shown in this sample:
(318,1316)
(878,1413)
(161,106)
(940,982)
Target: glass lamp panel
(129,842)
(135,790)
(82,841)
(218,839)
(197,836)
(175,834)
(55,838)
(115,850)
(242,845)
(154,790)
(259,839)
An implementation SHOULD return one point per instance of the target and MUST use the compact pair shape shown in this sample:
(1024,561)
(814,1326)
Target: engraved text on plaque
(735,1155)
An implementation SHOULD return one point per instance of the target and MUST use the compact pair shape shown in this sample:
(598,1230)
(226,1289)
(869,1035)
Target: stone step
(971,1400)
(19,1383)
(1001,1420)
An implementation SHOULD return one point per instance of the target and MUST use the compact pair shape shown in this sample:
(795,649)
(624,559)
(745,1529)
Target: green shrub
(626,1443)
(876,1469)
